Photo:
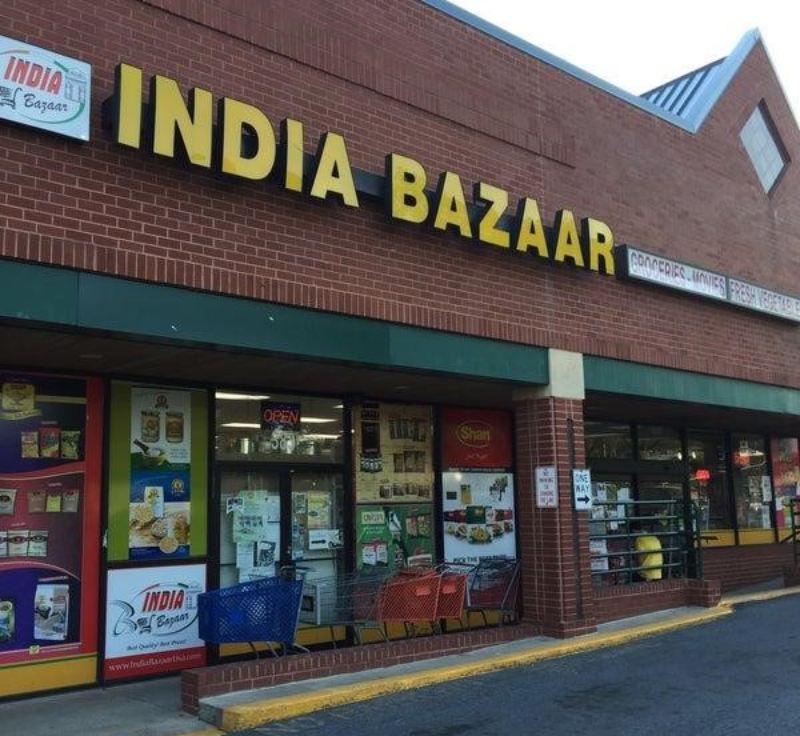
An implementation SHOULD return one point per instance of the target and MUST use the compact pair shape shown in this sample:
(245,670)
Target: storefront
(246,330)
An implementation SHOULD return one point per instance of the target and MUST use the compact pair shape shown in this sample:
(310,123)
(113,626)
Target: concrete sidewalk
(151,708)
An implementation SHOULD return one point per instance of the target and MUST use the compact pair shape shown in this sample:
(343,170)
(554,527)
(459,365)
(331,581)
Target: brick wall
(622,601)
(737,567)
(400,76)
(551,562)
(226,678)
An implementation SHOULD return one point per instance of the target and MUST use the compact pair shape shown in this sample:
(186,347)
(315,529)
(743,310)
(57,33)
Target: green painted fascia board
(80,299)
(153,310)
(636,379)
(466,355)
(37,293)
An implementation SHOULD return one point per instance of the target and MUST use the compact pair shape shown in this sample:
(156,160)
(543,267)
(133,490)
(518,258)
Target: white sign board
(151,620)
(546,488)
(764,300)
(675,275)
(42,89)
(582,489)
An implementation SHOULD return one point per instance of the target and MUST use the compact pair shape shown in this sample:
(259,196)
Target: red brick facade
(549,432)
(404,77)
(401,76)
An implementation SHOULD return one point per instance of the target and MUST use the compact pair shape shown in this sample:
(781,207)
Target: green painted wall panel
(199,463)
(179,314)
(122,306)
(119,471)
(451,353)
(32,292)
(166,312)
(621,377)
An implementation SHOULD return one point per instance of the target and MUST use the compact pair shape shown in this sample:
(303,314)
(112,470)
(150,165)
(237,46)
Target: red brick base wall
(621,601)
(791,576)
(226,678)
(737,567)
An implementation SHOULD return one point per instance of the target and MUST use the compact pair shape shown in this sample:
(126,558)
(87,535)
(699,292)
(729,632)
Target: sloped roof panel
(687,108)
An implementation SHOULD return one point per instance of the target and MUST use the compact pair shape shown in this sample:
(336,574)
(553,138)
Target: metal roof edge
(730,66)
(727,71)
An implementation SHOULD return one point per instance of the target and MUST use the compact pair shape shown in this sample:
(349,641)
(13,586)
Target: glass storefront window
(751,481)
(278,428)
(608,441)
(318,523)
(659,443)
(608,530)
(250,528)
(785,476)
(708,484)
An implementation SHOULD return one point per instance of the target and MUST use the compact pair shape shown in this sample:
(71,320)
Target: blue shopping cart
(264,610)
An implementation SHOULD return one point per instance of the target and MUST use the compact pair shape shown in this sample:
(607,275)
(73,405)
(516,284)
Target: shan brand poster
(478,509)
(151,620)
(160,489)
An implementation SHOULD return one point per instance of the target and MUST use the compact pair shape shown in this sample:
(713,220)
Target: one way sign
(582,489)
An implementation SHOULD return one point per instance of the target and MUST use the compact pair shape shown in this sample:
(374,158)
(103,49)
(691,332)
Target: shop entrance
(276,517)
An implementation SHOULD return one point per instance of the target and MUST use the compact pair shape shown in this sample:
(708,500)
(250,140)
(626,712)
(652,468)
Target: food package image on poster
(478,515)
(160,488)
(51,610)
(8,626)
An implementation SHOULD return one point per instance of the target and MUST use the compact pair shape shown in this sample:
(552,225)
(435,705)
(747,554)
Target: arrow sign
(582,489)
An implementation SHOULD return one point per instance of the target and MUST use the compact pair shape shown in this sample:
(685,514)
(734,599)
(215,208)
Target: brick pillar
(556,585)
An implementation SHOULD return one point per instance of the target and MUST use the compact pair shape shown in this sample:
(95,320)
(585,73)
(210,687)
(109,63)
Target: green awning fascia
(57,296)
(636,379)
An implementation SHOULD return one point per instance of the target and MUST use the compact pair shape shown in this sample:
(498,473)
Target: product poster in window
(49,490)
(786,477)
(393,453)
(477,485)
(151,620)
(160,488)
(394,536)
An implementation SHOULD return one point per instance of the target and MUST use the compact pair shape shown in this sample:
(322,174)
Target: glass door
(250,525)
(317,523)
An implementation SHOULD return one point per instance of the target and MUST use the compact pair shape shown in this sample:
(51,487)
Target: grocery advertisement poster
(478,511)
(151,620)
(394,536)
(394,453)
(49,517)
(160,484)
(478,515)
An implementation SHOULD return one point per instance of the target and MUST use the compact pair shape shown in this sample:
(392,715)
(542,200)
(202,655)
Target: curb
(269,710)
(249,715)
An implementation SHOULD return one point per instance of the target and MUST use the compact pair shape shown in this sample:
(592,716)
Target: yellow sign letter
(171,116)
(235,115)
(334,174)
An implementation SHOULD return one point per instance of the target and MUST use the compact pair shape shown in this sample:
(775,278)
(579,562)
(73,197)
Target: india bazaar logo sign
(41,89)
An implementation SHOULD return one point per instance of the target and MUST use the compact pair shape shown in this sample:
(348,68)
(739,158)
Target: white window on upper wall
(764,147)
